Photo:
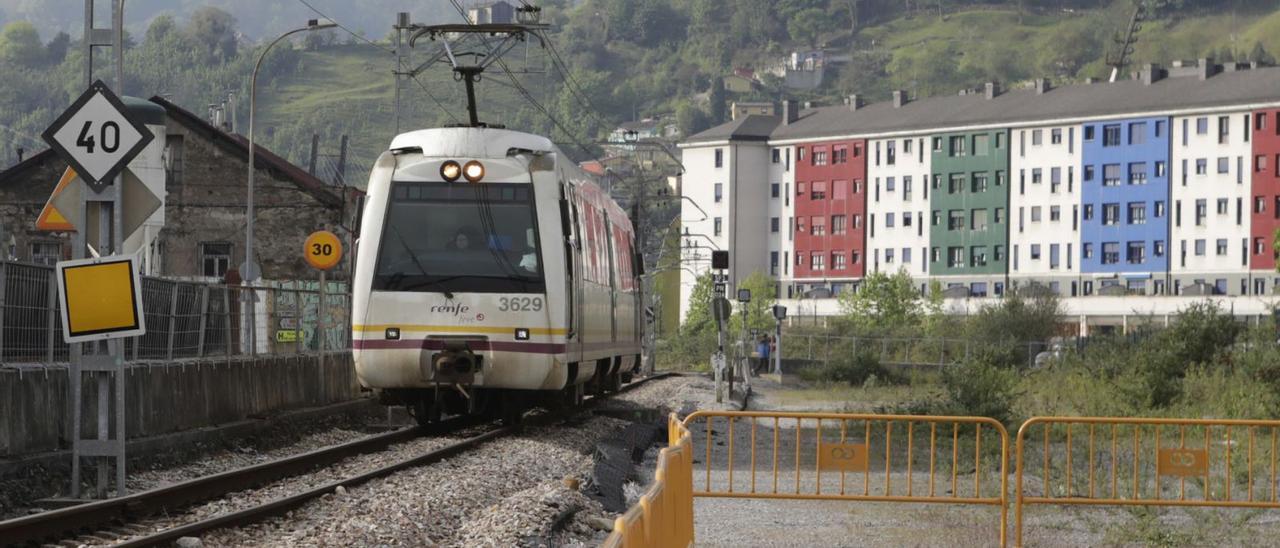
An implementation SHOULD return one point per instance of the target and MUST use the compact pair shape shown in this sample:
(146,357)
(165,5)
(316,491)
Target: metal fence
(823,348)
(184,319)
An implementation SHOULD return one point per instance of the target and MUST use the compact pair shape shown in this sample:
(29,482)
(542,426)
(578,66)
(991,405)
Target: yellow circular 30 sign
(322,250)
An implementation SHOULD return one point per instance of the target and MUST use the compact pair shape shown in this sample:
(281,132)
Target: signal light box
(101,299)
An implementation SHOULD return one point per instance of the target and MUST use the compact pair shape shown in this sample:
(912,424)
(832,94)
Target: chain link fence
(184,319)
(822,348)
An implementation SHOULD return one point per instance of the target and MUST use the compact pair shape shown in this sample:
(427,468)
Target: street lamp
(250,271)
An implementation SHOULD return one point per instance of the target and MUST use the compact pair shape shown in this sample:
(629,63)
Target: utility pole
(402,23)
(1120,58)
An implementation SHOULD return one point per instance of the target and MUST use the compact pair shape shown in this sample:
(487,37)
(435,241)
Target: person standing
(762,350)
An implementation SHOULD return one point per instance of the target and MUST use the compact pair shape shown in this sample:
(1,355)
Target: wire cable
(349,31)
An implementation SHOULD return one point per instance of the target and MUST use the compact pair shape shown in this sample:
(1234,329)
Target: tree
(1259,54)
(690,119)
(56,49)
(883,302)
(760,309)
(698,319)
(160,28)
(718,100)
(20,44)
(807,25)
(215,31)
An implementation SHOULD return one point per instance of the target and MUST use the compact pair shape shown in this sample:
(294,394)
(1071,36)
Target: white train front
(491,273)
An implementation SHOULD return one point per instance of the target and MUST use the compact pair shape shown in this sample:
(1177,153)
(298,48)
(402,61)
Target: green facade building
(969,199)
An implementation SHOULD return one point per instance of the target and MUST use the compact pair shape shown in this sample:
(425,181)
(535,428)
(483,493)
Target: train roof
(470,141)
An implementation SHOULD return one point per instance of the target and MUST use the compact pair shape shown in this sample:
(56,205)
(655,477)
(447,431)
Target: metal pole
(248,228)
(777,354)
(173,320)
(204,319)
(3,265)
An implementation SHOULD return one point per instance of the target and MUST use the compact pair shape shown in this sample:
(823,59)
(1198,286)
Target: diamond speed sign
(97,136)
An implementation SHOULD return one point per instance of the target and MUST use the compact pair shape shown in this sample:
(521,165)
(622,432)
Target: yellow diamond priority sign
(100,299)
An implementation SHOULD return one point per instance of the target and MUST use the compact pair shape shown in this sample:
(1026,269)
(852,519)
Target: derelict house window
(215,259)
(174,159)
(46,253)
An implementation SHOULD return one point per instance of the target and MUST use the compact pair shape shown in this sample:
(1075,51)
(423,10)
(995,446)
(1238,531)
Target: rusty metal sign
(1182,462)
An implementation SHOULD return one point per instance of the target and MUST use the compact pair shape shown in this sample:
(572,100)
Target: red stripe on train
(438,344)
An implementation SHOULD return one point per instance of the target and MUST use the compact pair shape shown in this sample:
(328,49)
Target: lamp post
(250,271)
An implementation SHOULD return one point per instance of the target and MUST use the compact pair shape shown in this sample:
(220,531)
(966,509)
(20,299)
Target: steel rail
(84,518)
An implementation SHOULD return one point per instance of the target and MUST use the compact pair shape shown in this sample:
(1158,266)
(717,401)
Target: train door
(574,248)
(613,279)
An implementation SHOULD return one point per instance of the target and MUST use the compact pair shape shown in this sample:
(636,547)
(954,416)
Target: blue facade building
(1124,206)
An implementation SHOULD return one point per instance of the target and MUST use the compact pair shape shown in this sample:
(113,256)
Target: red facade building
(830,210)
(1266,188)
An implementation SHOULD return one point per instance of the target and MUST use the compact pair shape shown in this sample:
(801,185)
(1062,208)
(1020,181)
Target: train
(491,274)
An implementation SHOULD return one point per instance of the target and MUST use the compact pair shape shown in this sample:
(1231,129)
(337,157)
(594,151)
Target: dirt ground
(765,522)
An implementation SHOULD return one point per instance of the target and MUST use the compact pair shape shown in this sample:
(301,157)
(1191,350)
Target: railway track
(110,519)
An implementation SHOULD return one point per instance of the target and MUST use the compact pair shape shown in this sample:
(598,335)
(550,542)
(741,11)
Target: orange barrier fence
(664,515)
(1147,462)
(844,456)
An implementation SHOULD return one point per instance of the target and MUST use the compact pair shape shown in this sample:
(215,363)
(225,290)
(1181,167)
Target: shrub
(981,389)
(854,368)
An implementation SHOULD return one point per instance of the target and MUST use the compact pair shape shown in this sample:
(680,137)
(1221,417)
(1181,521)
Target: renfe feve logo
(456,309)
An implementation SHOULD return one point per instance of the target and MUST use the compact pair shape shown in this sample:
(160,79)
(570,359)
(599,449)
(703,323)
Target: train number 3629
(520,304)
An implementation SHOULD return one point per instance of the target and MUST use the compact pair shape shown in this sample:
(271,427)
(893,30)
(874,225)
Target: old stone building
(205,196)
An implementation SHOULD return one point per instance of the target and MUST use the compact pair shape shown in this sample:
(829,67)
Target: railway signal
(97,136)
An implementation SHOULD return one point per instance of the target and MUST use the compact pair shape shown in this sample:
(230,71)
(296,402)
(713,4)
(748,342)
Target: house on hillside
(747,108)
(492,13)
(204,205)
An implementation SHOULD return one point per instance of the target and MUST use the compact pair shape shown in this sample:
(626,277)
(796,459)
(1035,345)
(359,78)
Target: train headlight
(473,171)
(450,171)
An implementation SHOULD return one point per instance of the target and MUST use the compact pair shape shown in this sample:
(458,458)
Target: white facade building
(898,206)
(1044,207)
(1209,190)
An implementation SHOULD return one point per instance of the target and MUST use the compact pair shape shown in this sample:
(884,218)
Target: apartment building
(1044,208)
(898,175)
(1091,190)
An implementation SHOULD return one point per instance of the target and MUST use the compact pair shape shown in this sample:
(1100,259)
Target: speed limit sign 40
(97,136)
(322,250)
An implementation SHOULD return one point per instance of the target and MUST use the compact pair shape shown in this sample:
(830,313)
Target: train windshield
(458,237)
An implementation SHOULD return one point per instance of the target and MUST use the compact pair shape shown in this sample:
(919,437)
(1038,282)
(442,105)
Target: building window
(1202,210)
(818,226)
(719,157)
(1055,213)
(819,157)
(888,256)
(1110,252)
(1259,204)
(773,263)
(718,226)
(978,255)
(937,144)
(888,220)
(837,260)
(978,219)
(1036,176)
(979,182)
(837,224)
(1202,126)
(1257,246)
(1138,173)
(774,224)
(174,159)
(1055,179)
(1035,214)
(957,145)
(1200,247)
(890,154)
(1086,250)
(1158,248)
(1202,166)
(955,219)
(1088,212)
(1111,175)
(1223,206)
(818,191)
(1111,135)
(1036,137)
(774,190)
(1137,133)
(817,261)
(1224,129)
(956,184)
(1160,169)
(1035,252)
(890,183)
(1222,247)
(906,218)
(955,257)
(1137,213)
(981,145)
(719,192)
(1110,214)
(1088,173)
(1055,136)
(215,259)
(1135,253)
(1054,255)
(839,189)
(840,155)
(1088,133)
(49,253)
(777,156)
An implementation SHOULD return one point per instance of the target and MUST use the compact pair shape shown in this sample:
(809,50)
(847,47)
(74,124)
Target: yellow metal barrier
(842,456)
(664,515)
(1148,462)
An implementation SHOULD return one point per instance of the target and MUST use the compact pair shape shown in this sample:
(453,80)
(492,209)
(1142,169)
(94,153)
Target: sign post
(779,314)
(98,137)
(323,251)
